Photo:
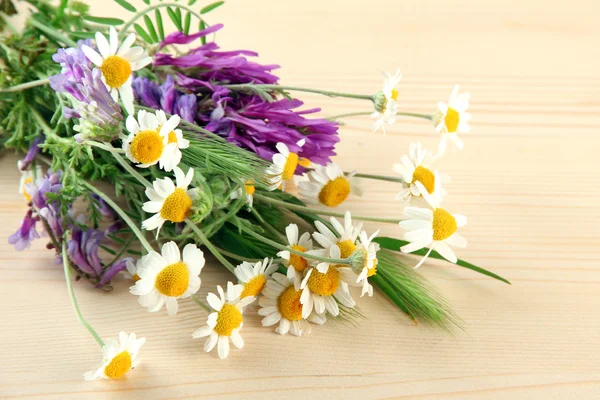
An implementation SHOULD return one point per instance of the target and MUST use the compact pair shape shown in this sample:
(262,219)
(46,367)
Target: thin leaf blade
(140,31)
(104,20)
(151,29)
(159,24)
(211,7)
(174,18)
(126,5)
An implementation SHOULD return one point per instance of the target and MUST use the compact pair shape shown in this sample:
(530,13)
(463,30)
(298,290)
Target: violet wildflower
(165,97)
(33,151)
(26,233)
(73,63)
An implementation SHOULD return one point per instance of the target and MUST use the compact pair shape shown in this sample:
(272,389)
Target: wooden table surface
(528,179)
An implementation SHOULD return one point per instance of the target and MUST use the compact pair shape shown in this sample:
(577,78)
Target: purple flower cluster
(198,95)
(84,243)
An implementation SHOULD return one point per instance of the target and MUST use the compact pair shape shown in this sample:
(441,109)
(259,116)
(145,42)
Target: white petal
(223,347)
(445,251)
(202,332)
(102,45)
(92,55)
(114,40)
(126,44)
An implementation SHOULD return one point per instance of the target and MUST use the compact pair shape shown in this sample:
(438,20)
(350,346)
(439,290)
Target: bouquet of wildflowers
(174,148)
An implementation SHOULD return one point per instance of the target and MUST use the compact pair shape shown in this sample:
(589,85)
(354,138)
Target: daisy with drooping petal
(131,270)
(151,141)
(369,250)
(254,276)
(419,180)
(386,105)
(168,276)
(225,323)
(328,185)
(296,264)
(250,189)
(117,357)
(281,304)
(436,229)
(27,177)
(117,64)
(284,166)
(344,238)
(452,118)
(169,202)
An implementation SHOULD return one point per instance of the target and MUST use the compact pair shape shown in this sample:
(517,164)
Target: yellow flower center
(426,177)
(118,366)
(254,286)
(324,284)
(250,188)
(25,194)
(176,206)
(289,304)
(116,70)
(444,224)
(172,137)
(335,192)
(372,271)
(173,280)
(290,167)
(147,146)
(394,94)
(452,119)
(135,277)
(298,262)
(347,247)
(394,97)
(229,318)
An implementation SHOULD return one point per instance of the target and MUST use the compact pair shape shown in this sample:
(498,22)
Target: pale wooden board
(528,180)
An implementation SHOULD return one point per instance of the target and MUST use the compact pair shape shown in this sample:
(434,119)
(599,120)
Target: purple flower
(39,189)
(165,97)
(181,38)
(26,233)
(103,207)
(32,152)
(73,63)
(112,270)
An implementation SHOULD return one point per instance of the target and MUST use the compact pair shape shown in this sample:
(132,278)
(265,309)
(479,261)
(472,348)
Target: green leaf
(134,252)
(103,20)
(83,35)
(186,25)
(147,2)
(395,244)
(201,27)
(140,31)
(192,2)
(108,250)
(211,7)
(174,18)
(126,5)
(151,29)
(159,24)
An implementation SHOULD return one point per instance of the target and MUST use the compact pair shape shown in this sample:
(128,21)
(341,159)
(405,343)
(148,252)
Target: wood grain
(528,179)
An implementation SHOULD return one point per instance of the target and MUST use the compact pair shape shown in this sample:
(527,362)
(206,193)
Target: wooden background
(527,179)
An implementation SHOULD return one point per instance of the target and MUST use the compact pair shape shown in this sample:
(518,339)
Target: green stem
(121,161)
(235,256)
(136,231)
(347,261)
(352,114)
(416,115)
(124,28)
(301,89)
(295,207)
(53,33)
(379,177)
(210,246)
(268,226)
(201,304)
(24,86)
(67,268)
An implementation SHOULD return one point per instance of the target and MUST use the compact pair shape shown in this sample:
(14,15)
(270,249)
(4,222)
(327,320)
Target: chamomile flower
(250,189)
(131,270)
(27,177)
(117,64)
(168,276)
(118,357)
(369,250)
(153,139)
(169,202)
(296,264)
(328,185)
(281,304)
(225,323)
(284,165)
(254,276)
(419,180)
(344,238)
(386,105)
(436,229)
(452,118)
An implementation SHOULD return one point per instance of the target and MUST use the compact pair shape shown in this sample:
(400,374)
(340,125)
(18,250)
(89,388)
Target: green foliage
(211,7)
(104,20)
(140,31)
(126,5)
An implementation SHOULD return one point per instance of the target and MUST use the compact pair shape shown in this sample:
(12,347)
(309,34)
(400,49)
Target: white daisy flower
(281,303)
(153,139)
(227,320)
(452,118)
(117,357)
(296,264)
(344,238)
(386,106)
(435,229)
(369,266)
(328,185)
(117,64)
(284,166)
(169,202)
(131,270)
(28,176)
(168,276)
(419,180)
(254,276)
(250,189)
